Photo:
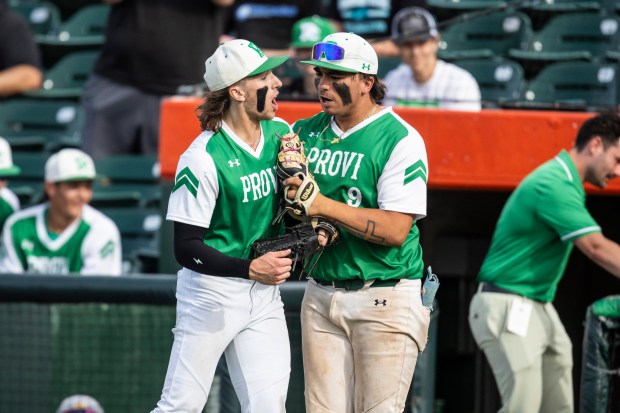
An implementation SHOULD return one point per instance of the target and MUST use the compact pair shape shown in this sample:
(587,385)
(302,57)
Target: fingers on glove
(325,227)
(305,195)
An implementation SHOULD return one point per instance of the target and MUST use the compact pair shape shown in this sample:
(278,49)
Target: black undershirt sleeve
(191,252)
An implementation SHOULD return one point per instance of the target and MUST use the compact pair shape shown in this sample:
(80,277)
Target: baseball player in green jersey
(512,316)
(224,198)
(64,235)
(363,322)
(9,202)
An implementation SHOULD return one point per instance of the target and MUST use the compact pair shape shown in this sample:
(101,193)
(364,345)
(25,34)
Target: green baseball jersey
(9,203)
(536,229)
(231,190)
(90,245)
(380,163)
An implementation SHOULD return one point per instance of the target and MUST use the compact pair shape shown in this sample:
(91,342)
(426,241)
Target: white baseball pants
(360,347)
(240,318)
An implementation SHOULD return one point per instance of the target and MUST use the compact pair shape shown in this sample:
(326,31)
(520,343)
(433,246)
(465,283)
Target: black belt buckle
(349,285)
(357,284)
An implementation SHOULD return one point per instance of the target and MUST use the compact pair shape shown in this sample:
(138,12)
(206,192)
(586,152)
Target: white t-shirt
(450,87)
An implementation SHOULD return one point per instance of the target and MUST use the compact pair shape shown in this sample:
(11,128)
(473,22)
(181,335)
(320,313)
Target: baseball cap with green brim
(70,165)
(345,52)
(7,168)
(235,60)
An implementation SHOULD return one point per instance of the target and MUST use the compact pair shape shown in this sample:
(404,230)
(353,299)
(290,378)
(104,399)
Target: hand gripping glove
(292,162)
(302,239)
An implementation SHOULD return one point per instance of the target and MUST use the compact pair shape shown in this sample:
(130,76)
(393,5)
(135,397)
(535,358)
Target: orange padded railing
(487,150)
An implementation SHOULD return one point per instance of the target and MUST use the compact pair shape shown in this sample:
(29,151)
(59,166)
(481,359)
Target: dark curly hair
(606,125)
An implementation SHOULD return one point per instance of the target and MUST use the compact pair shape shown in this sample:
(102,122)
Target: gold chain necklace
(338,138)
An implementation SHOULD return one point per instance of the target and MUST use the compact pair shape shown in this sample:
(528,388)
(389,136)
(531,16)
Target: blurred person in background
(269,22)
(370,19)
(9,202)
(64,235)
(423,80)
(305,33)
(80,403)
(20,65)
(512,316)
(152,49)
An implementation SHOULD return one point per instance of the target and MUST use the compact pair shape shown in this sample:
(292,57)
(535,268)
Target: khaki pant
(360,347)
(533,373)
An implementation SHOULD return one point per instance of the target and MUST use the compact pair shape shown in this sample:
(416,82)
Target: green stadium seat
(500,80)
(485,36)
(28,185)
(139,228)
(67,77)
(43,17)
(127,180)
(562,6)
(85,27)
(573,36)
(573,86)
(463,5)
(36,124)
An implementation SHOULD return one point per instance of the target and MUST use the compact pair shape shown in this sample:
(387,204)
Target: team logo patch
(415,171)
(107,249)
(187,179)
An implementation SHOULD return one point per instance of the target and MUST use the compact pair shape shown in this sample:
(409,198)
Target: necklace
(338,138)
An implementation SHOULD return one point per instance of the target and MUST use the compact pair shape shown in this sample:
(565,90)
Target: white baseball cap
(346,52)
(79,403)
(7,168)
(69,165)
(235,60)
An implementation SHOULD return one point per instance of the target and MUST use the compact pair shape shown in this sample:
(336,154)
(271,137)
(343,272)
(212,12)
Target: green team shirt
(380,163)
(536,229)
(9,203)
(223,185)
(90,245)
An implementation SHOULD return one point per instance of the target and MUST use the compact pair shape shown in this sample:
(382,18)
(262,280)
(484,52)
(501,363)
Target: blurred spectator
(80,403)
(9,202)
(370,19)
(64,235)
(268,23)
(305,33)
(19,55)
(153,48)
(422,79)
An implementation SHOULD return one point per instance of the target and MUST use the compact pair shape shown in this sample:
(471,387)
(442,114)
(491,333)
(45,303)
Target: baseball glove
(292,162)
(302,239)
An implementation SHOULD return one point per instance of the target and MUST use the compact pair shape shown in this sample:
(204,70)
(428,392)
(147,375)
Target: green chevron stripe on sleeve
(417,170)
(107,249)
(188,179)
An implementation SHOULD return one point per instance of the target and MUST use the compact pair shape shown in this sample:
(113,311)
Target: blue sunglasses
(327,51)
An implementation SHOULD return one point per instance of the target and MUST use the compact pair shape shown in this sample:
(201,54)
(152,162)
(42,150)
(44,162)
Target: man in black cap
(422,80)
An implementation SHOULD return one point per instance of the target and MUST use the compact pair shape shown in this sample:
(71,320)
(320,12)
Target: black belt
(492,288)
(357,283)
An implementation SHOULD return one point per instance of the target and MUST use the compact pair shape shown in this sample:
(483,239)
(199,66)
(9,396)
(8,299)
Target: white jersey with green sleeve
(89,246)
(231,190)
(534,235)
(9,203)
(380,163)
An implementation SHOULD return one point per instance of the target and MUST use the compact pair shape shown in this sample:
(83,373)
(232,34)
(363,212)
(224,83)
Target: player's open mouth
(274,103)
(325,100)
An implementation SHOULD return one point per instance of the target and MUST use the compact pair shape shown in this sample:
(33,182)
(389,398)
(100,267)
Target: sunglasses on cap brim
(327,51)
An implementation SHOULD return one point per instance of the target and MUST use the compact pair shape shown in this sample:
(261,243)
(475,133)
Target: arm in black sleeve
(191,252)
